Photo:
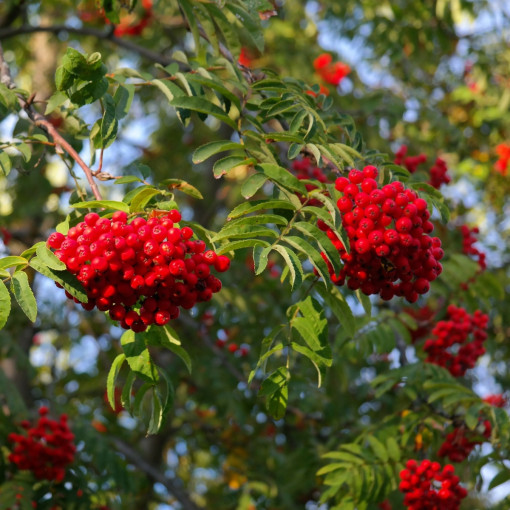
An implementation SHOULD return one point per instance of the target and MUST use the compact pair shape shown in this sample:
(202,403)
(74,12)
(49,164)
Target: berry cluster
(391,252)
(468,241)
(457,330)
(141,271)
(497,400)
(331,72)
(427,487)
(46,449)
(438,172)
(246,57)
(501,165)
(305,170)
(460,442)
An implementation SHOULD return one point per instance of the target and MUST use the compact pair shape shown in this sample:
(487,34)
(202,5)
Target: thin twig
(7,33)
(43,122)
(135,458)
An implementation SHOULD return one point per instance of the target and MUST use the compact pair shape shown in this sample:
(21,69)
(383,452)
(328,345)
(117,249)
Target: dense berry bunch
(468,241)
(331,72)
(497,400)
(438,173)
(391,252)
(305,170)
(457,330)
(427,487)
(141,271)
(460,442)
(46,449)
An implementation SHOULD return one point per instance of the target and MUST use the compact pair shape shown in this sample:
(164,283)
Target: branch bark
(153,56)
(41,121)
(135,458)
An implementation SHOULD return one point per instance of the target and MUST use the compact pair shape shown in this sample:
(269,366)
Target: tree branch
(41,121)
(6,33)
(135,458)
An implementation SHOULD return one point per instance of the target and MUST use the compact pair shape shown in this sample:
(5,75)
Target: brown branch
(7,33)
(43,122)
(135,458)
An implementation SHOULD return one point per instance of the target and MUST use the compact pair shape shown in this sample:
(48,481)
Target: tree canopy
(254,254)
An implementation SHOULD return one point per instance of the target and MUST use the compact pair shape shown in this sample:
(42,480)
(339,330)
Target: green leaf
(244,232)
(222,166)
(202,105)
(323,241)
(102,204)
(138,356)
(336,301)
(56,100)
(5,164)
(127,390)
(12,261)
(293,263)
(48,258)
(365,302)
(282,177)
(64,278)
(257,205)
(142,198)
(393,449)
(24,295)
(112,377)
(24,150)
(170,340)
(260,258)
(156,415)
(378,448)
(123,98)
(502,477)
(252,185)
(5,304)
(210,149)
(109,122)
(238,245)
(276,389)
(312,253)
(183,186)
(127,179)
(187,9)
(230,36)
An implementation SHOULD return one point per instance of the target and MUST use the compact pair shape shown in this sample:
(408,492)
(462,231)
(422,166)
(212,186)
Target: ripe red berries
(427,487)
(141,271)
(391,253)
(457,330)
(46,449)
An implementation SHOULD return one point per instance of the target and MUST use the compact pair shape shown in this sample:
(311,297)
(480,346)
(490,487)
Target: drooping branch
(43,122)
(6,33)
(135,458)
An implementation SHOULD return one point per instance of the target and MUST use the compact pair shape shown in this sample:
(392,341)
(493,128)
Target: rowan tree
(254,254)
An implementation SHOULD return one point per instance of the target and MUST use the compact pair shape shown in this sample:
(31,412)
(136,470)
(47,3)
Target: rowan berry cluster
(428,487)
(468,248)
(46,449)
(460,442)
(496,400)
(331,72)
(457,330)
(438,172)
(142,271)
(391,252)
